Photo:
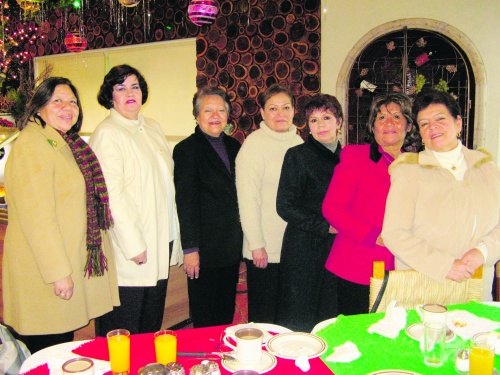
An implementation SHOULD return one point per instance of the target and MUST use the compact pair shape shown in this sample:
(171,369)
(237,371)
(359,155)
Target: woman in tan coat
(58,267)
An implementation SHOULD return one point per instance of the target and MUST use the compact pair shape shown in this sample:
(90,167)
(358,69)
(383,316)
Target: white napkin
(302,362)
(56,357)
(232,330)
(346,352)
(466,325)
(392,323)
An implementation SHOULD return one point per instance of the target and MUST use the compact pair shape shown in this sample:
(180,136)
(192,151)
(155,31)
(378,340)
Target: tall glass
(434,343)
(119,351)
(482,358)
(166,346)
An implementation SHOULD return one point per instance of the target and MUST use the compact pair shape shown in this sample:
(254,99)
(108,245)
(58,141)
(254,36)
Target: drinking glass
(482,358)
(434,343)
(119,351)
(165,346)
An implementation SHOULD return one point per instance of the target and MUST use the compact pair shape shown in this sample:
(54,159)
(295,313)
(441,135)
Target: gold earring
(458,135)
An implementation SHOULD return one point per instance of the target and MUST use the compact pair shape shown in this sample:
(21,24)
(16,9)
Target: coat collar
(474,159)
(52,135)
(375,154)
(323,150)
(130,125)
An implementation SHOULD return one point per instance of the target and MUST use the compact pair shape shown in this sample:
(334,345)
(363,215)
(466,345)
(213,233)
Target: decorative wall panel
(251,45)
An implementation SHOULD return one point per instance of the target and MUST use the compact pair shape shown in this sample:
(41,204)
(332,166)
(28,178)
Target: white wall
(168,67)
(345,22)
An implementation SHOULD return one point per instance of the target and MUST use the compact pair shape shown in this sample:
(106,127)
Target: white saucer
(295,344)
(267,363)
(416,331)
(265,327)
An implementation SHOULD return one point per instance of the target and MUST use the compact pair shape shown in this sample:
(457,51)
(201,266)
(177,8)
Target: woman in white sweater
(258,169)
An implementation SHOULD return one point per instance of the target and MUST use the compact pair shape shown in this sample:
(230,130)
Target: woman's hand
(192,265)
(141,258)
(63,288)
(332,230)
(259,257)
(473,259)
(459,271)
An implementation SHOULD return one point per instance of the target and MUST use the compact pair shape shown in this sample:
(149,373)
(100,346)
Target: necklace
(457,162)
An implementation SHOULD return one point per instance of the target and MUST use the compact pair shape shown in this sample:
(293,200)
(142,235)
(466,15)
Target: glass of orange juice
(166,346)
(119,351)
(482,358)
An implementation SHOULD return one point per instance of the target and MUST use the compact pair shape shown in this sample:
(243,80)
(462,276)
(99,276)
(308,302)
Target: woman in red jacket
(355,201)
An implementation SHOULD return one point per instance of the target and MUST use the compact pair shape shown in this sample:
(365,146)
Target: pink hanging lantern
(202,11)
(75,42)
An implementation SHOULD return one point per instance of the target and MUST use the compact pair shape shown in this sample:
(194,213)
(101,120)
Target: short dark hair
(41,98)
(430,96)
(400,99)
(324,102)
(206,91)
(117,75)
(272,90)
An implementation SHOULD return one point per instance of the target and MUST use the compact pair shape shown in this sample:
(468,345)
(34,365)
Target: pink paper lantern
(202,11)
(75,42)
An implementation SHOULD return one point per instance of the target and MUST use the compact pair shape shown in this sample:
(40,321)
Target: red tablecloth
(188,340)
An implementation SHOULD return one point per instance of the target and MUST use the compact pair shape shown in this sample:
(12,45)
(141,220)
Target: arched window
(408,61)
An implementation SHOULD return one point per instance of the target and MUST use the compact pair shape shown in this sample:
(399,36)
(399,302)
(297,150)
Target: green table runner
(403,353)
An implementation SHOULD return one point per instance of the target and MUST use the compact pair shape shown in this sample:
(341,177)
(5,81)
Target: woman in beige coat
(442,216)
(58,267)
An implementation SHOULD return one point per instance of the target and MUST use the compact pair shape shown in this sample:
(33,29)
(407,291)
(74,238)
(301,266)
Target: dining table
(379,354)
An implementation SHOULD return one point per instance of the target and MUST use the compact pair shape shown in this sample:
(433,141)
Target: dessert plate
(416,331)
(266,363)
(295,344)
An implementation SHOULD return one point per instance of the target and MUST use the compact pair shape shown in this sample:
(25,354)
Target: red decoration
(75,42)
(202,11)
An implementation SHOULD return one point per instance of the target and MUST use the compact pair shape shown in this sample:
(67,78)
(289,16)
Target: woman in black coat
(207,207)
(307,291)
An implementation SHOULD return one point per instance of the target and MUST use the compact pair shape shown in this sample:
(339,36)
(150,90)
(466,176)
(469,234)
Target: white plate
(265,327)
(393,372)
(295,344)
(416,331)
(323,324)
(267,363)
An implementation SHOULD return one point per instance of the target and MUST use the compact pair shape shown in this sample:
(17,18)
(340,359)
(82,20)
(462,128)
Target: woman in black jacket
(207,207)
(307,291)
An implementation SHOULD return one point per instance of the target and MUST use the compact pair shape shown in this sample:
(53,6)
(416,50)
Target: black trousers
(353,298)
(35,343)
(262,286)
(212,296)
(141,310)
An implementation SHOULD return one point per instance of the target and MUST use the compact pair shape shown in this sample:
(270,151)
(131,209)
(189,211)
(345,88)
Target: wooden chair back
(411,288)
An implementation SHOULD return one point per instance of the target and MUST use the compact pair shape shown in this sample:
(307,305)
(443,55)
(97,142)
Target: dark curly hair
(41,98)
(324,102)
(428,97)
(117,75)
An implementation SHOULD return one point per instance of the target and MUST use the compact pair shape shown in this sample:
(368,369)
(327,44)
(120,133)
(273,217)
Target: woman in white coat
(138,166)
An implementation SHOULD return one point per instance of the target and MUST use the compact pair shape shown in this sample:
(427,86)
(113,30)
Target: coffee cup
(432,311)
(248,344)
